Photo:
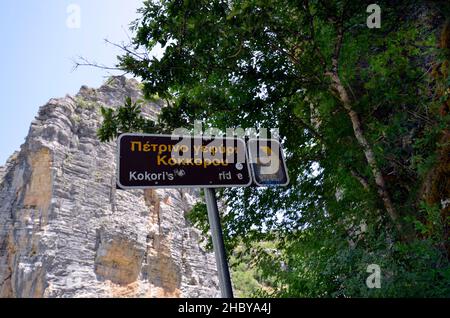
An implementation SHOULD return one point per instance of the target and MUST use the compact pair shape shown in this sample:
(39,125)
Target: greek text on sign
(164,161)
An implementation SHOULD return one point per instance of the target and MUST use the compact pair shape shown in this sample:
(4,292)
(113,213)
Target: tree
(357,112)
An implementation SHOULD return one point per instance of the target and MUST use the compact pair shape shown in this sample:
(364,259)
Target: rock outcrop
(66,231)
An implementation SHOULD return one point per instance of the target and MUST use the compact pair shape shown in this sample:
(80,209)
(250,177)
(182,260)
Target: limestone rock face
(66,231)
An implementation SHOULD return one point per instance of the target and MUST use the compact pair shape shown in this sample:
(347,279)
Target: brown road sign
(165,161)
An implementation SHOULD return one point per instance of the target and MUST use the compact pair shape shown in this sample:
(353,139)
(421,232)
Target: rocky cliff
(66,231)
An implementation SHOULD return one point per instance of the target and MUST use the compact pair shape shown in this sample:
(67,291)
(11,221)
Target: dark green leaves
(123,119)
(262,63)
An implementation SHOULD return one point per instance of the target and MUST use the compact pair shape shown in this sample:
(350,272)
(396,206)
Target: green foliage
(123,119)
(85,104)
(244,282)
(252,63)
(336,268)
(247,278)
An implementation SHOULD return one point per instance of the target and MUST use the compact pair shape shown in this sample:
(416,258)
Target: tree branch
(337,49)
(322,59)
(142,56)
(308,127)
(84,62)
(360,178)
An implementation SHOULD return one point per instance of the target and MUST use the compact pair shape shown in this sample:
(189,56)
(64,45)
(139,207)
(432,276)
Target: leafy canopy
(263,63)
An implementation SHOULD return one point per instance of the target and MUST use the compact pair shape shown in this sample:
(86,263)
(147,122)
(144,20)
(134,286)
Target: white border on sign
(250,175)
(282,159)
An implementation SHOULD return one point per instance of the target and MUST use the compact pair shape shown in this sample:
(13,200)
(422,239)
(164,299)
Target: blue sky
(37,50)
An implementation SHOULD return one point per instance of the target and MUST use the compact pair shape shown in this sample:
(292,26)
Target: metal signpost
(218,244)
(166,161)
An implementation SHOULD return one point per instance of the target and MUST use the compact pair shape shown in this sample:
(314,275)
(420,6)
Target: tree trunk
(368,152)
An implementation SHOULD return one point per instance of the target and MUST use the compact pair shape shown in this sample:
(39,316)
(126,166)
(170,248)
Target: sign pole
(218,245)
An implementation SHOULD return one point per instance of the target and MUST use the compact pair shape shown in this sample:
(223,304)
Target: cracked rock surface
(66,231)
